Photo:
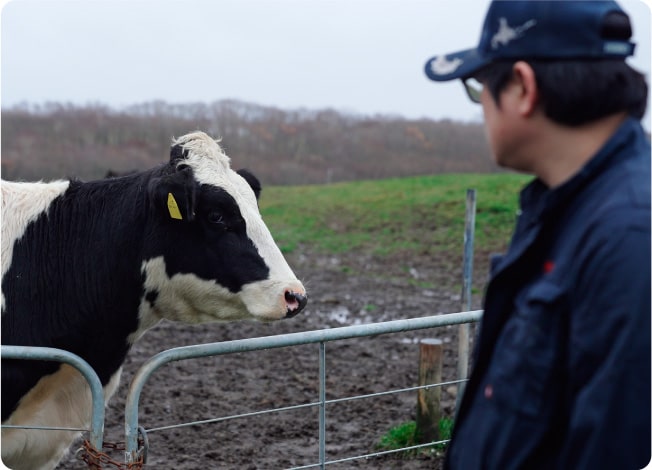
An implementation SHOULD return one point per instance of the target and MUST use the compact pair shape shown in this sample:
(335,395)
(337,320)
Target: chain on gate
(100,459)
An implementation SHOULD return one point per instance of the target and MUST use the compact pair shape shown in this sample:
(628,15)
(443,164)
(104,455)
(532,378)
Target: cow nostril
(295,302)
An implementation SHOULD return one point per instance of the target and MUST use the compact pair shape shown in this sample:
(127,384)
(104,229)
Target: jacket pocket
(528,353)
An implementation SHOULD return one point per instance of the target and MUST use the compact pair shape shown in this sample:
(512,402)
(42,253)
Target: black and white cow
(89,266)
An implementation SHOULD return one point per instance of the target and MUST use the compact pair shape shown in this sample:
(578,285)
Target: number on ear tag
(175,213)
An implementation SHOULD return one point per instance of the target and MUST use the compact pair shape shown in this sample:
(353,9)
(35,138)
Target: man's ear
(526,80)
(175,195)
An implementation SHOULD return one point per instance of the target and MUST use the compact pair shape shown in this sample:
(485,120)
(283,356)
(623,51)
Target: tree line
(281,147)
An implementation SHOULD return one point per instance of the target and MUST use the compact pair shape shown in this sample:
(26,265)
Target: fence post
(429,399)
(463,329)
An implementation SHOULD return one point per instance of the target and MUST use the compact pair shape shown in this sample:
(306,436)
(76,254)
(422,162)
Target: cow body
(89,267)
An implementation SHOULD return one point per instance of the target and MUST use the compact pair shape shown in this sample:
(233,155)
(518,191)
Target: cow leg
(62,399)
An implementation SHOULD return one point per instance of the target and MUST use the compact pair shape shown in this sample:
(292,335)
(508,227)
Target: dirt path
(343,291)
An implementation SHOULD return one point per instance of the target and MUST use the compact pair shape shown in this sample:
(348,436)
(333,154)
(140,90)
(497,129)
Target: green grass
(419,215)
(404,435)
(398,437)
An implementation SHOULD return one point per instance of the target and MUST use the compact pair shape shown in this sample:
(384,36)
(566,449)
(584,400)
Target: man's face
(495,127)
(506,131)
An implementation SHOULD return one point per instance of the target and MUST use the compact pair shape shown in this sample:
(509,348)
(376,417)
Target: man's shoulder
(625,184)
(636,179)
(628,194)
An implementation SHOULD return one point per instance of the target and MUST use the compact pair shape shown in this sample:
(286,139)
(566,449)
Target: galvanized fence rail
(133,453)
(59,355)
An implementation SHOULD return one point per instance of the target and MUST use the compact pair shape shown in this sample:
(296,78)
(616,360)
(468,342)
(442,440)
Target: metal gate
(132,429)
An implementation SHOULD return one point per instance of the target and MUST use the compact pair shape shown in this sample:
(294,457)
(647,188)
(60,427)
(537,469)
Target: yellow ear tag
(175,213)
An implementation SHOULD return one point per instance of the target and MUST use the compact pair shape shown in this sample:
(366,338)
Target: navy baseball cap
(536,29)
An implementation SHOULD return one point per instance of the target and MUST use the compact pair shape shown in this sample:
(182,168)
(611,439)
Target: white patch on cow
(62,399)
(190,299)
(258,295)
(22,203)
(186,297)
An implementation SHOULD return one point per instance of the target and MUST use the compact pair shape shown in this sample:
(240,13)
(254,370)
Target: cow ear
(252,180)
(175,195)
(177,152)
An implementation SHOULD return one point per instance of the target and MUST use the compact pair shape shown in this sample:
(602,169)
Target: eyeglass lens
(473,89)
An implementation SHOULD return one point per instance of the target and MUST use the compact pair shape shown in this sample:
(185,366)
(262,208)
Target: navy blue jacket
(561,376)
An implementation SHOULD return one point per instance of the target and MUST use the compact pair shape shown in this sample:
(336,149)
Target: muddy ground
(344,290)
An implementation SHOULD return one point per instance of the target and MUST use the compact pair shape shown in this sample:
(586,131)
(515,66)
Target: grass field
(423,215)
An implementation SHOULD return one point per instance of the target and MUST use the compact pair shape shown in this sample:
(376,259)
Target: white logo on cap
(506,33)
(442,66)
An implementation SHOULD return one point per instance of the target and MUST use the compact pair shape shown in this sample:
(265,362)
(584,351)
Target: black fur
(252,180)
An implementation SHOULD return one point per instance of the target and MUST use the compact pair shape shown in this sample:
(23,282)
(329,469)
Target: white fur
(22,203)
(189,299)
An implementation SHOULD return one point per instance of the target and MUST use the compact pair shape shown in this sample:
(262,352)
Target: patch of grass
(346,269)
(398,437)
(404,435)
(445,429)
(416,215)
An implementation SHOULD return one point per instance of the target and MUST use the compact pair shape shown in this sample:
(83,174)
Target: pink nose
(294,302)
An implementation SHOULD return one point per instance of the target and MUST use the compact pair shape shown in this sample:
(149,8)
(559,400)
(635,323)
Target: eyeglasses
(473,88)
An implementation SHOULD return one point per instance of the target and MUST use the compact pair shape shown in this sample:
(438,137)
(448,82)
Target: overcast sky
(362,56)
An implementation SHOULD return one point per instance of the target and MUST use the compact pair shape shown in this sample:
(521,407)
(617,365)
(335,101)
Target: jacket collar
(539,203)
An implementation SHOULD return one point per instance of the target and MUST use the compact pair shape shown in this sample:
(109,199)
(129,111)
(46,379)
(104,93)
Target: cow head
(212,257)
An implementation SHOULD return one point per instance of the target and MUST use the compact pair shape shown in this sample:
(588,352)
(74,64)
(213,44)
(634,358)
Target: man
(561,376)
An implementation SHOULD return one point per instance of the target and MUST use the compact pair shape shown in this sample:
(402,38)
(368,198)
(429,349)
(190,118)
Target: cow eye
(215,218)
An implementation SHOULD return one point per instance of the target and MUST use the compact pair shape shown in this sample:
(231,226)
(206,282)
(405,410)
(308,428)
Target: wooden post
(429,399)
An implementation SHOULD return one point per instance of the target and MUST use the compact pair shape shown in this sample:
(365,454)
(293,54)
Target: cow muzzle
(295,302)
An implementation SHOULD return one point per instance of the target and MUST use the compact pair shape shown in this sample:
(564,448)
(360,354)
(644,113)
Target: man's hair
(577,91)
(574,92)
